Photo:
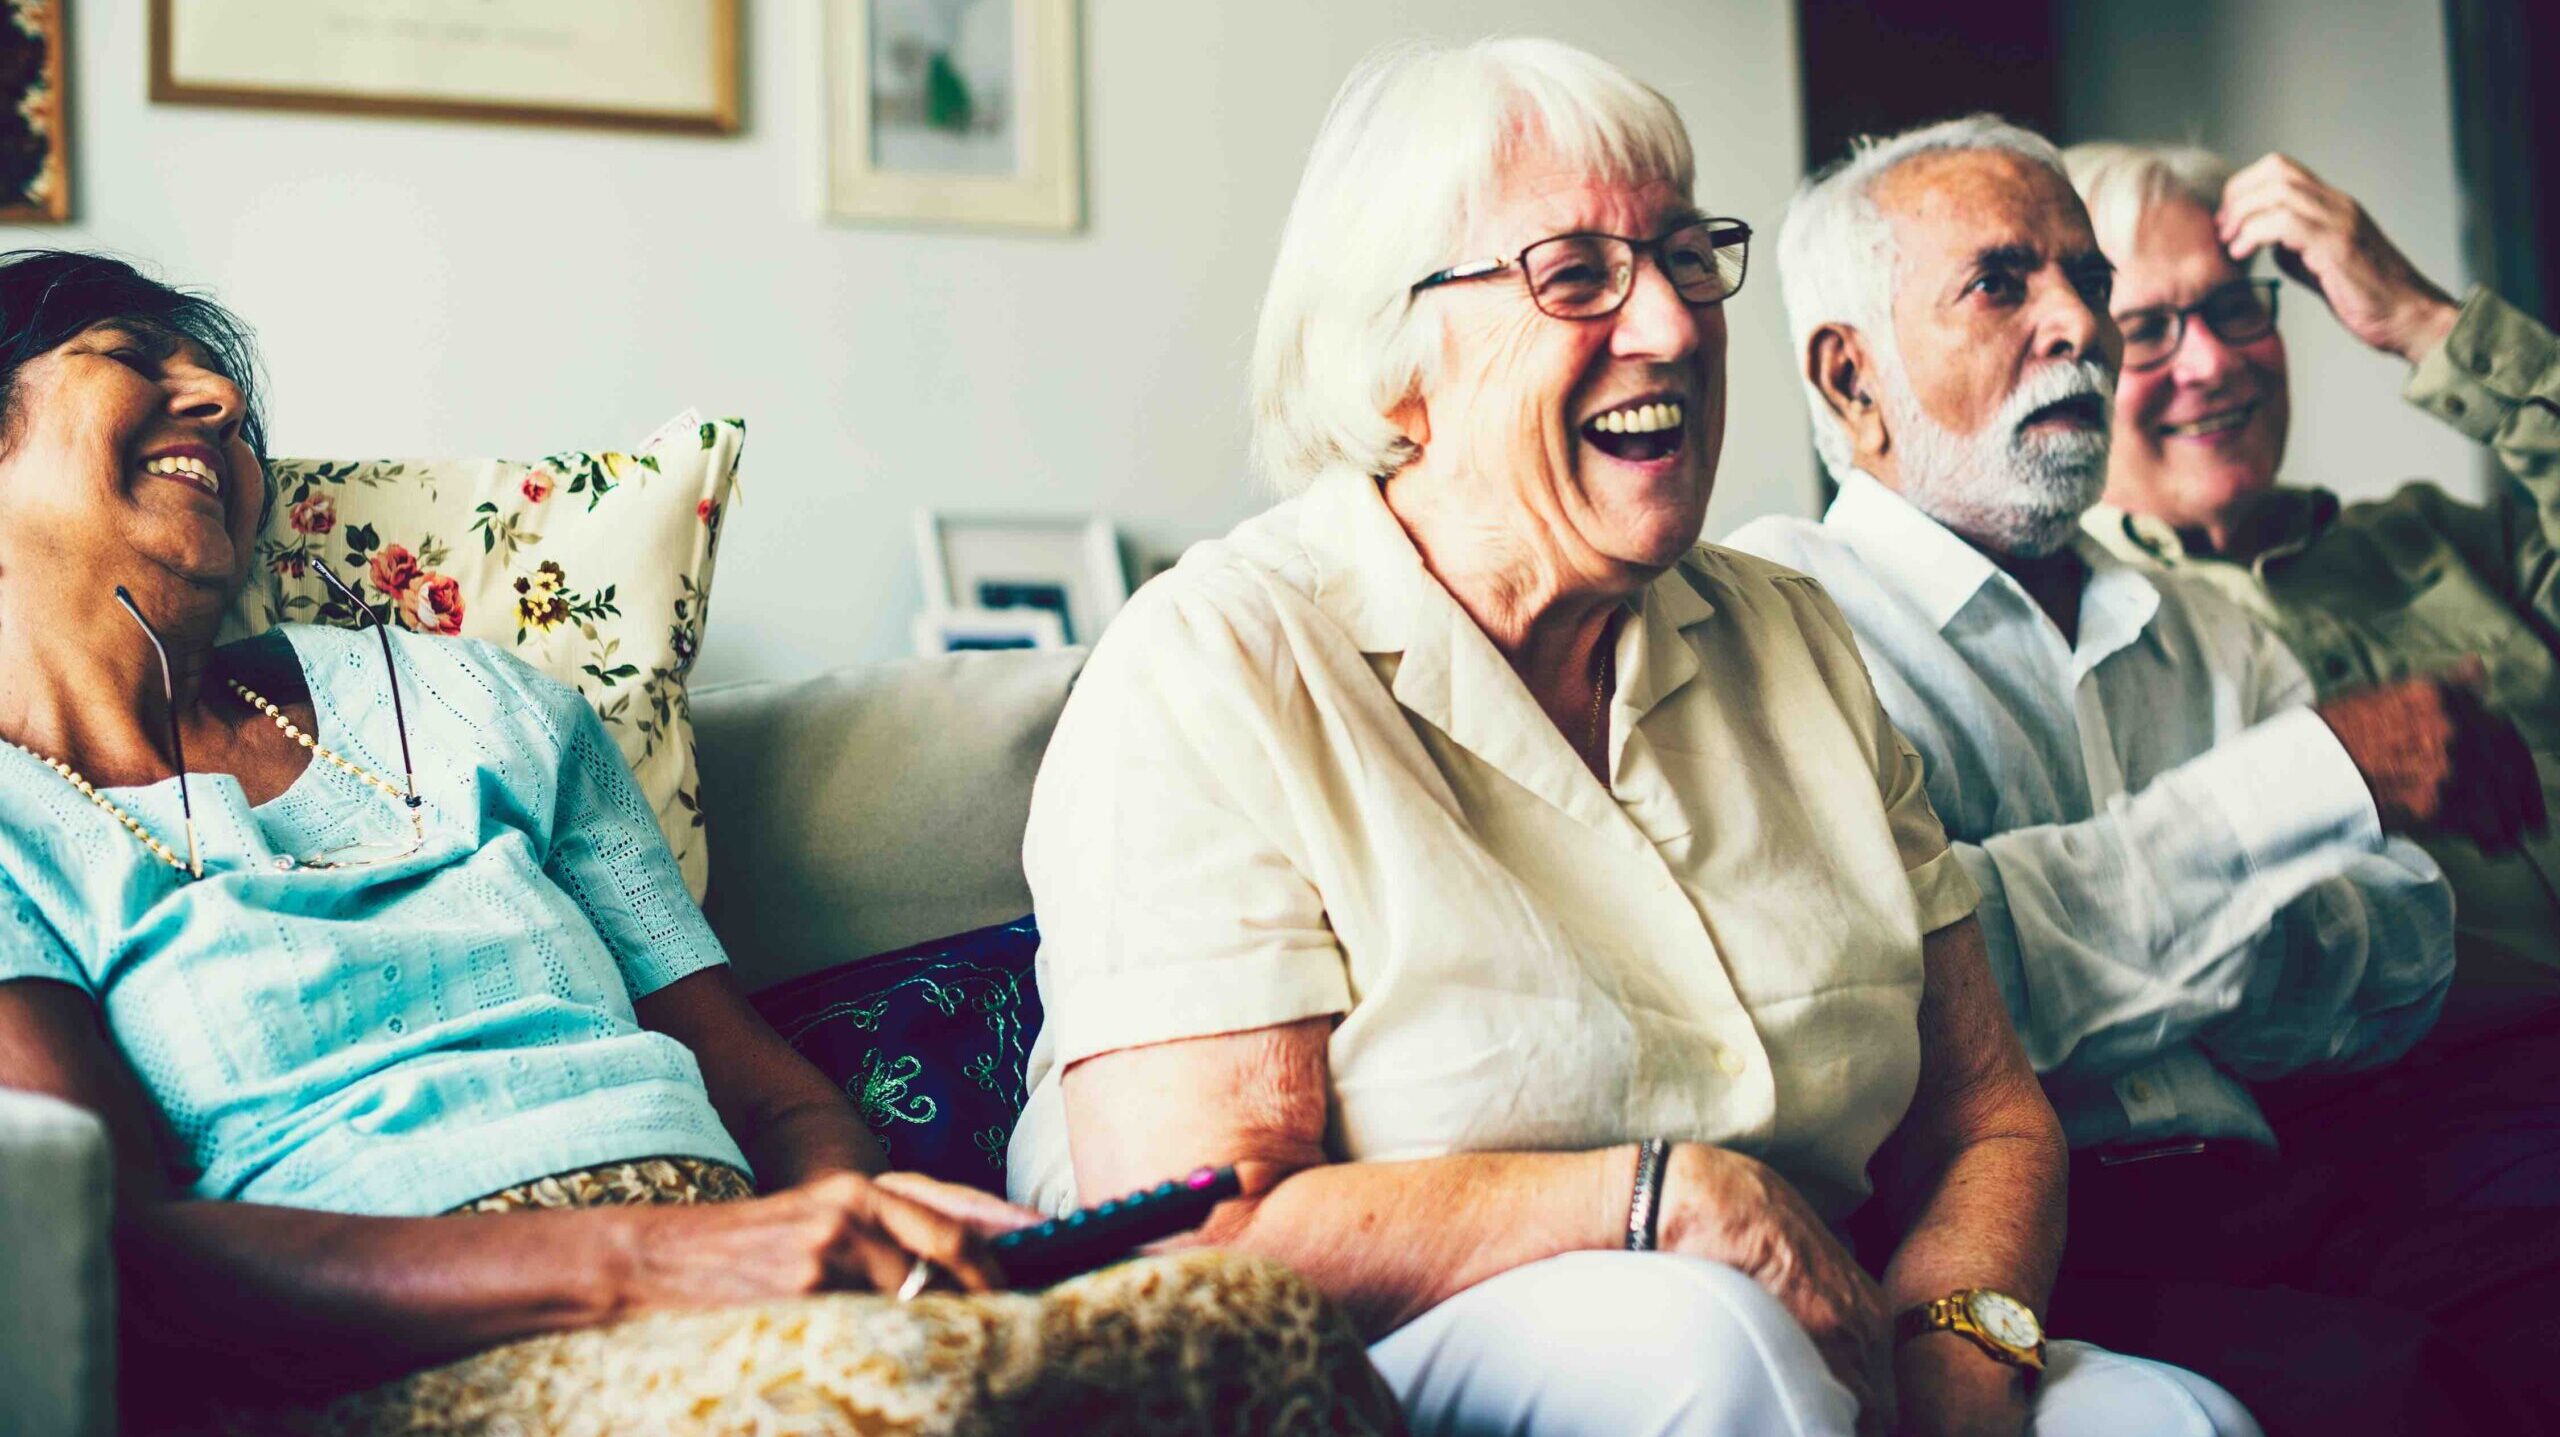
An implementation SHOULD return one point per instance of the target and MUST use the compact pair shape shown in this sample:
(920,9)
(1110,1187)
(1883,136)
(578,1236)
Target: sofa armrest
(57,1276)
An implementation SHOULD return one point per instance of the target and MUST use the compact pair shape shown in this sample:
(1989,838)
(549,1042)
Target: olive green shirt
(2411,584)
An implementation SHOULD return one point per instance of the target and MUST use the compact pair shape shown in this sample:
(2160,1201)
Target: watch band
(1953,1313)
(1928,1317)
(1644,1203)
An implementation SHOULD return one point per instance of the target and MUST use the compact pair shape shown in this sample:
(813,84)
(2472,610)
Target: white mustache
(2051,384)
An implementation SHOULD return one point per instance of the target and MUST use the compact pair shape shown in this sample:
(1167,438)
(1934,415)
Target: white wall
(437,288)
(2357,90)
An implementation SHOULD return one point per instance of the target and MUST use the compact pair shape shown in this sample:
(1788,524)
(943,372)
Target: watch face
(2006,1320)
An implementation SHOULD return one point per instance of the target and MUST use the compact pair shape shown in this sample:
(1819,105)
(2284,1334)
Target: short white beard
(2009,491)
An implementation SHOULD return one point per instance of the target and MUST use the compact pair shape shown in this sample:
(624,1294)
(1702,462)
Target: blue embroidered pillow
(930,1042)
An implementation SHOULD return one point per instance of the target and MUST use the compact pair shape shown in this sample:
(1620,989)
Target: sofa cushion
(874,807)
(593,567)
(929,1042)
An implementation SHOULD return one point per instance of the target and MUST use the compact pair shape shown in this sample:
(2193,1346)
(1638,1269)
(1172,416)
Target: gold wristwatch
(1999,1324)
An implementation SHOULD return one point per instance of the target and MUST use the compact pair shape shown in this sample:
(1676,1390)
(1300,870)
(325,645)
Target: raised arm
(2481,365)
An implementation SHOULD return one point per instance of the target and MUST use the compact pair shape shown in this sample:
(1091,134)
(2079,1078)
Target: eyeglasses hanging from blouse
(352,856)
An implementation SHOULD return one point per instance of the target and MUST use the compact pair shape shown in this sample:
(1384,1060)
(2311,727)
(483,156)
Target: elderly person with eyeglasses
(2195,886)
(2429,1185)
(2415,584)
(339,933)
(1534,903)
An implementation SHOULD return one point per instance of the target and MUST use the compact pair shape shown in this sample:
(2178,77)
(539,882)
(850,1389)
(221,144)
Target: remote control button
(1076,1221)
(1166,1190)
(1201,1179)
(1107,1209)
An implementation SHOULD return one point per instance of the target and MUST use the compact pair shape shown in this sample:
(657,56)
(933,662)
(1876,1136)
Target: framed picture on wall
(1066,568)
(35,151)
(631,64)
(955,112)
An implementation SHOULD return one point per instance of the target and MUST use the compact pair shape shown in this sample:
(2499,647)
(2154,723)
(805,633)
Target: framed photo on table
(669,65)
(961,631)
(35,151)
(1067,568)
(955,112)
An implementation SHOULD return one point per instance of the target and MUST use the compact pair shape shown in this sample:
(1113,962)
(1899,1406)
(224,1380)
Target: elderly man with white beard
(2192,880)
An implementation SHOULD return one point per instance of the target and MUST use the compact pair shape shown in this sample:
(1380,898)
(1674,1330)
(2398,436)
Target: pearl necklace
(192,866)
(132,825)
(408,801)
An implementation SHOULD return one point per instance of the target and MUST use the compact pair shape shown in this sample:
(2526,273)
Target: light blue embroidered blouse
(397,1039)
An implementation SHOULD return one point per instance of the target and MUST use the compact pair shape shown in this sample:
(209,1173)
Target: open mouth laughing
(186,469)
(2220,422)
(1640,432)
(2078,411)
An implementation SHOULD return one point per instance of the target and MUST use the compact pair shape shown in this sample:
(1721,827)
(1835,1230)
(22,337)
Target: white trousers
(1624,1344)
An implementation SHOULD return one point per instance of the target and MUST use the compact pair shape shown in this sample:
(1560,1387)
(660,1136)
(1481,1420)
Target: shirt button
(2138,1090)
(2454,406)
(397,1026)
(1730,1063)
(390,972)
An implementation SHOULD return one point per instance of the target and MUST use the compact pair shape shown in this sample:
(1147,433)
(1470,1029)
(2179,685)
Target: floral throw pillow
(593,567)
(931,1043)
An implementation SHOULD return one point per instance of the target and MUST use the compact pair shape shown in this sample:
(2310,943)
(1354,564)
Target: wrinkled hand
(2324,239)
(2436,758)
(1736,1210)
(839,1232)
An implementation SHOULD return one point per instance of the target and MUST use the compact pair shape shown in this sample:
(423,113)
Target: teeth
(1641,419)
(176,465)
(2212,424)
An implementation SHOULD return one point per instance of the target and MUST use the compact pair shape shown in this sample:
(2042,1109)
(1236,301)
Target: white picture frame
(1069,567)
(987,130)
(954,631)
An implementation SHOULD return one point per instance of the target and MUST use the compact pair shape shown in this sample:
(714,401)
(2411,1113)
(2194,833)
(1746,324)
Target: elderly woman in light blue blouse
(340,930)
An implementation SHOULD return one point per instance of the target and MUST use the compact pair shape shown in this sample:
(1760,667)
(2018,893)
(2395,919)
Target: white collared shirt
(2183,874)
(1296,781)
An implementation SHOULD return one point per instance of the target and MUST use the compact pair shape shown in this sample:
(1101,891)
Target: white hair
(2121,184)
(1838,264)
(1414,147)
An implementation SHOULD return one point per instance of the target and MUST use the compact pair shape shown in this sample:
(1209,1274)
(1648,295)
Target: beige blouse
(1296,780)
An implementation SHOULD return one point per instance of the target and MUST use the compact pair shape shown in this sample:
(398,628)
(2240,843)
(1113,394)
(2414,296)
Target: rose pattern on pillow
(594,567)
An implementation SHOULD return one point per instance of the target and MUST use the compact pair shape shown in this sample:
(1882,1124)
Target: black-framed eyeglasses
(2241,312)
(1589,276)
(357,855)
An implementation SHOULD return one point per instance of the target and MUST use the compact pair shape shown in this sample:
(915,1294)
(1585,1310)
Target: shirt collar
(1925,562)
(2292,518)
(1368,576)
(1915,555)
(1370,580)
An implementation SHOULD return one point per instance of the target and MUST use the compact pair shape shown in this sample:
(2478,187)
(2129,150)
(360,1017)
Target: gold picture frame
(35,140)
(424,58)
(955,112)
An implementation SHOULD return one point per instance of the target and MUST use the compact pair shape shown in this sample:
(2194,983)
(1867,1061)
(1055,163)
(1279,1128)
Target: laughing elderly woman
(1533,902)
(338,934)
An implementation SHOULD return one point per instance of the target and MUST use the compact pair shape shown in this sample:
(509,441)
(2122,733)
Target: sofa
(849,814)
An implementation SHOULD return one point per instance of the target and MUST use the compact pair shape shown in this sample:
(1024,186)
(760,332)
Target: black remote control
(1107,1232)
